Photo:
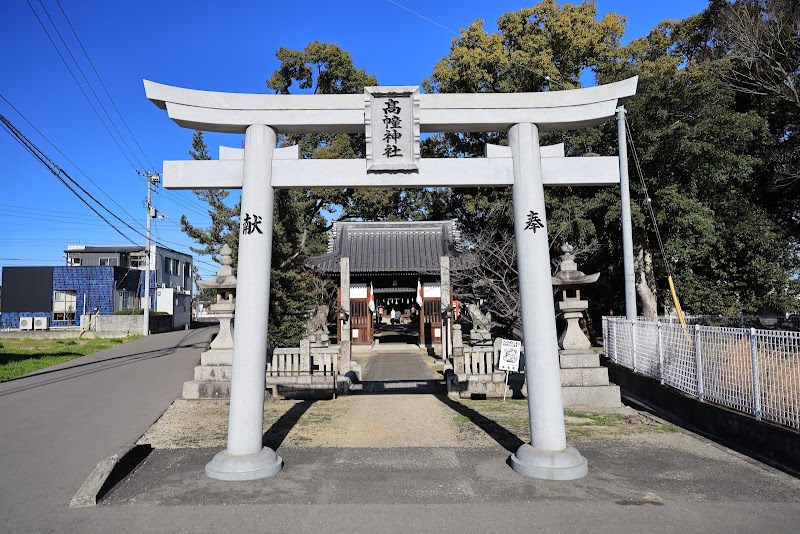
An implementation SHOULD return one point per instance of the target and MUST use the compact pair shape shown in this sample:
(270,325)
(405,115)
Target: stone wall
(133,323)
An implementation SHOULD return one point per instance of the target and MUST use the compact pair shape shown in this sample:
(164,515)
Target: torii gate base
(263,168)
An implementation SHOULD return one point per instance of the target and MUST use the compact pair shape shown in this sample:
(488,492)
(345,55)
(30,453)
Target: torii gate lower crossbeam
(547,456)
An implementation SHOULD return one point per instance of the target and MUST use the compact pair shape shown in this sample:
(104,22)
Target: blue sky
(220,46)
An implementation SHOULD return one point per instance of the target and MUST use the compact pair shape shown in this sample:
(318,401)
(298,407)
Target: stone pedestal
(573,338)
(584,383)
(212,378)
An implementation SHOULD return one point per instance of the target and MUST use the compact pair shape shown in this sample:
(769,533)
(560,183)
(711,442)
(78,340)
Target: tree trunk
(644,268)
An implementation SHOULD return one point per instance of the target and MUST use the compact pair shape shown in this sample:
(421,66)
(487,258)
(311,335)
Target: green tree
(224,227)
(757,43)
(700,152)
(702,149)
(298,231)
(544,47)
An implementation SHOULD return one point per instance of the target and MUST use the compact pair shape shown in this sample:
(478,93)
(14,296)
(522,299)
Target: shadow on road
(273,438)
(395,387)
(500,434)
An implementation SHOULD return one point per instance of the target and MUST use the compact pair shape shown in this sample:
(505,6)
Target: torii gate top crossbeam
(474,112)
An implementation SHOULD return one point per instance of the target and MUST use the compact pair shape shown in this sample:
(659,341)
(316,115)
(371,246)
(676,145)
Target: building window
(74,261)
(64,305)
(167,266)
(176,267)
(109,262)
(138,261)
(128,300)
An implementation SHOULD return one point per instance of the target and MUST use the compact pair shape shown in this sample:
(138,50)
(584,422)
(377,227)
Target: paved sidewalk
(677,484)
(396,371)
(58,423)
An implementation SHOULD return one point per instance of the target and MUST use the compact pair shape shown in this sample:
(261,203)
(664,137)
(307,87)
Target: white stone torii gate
(262,168)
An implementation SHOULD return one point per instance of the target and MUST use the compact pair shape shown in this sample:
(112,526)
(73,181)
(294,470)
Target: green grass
(19,357)
(512,416)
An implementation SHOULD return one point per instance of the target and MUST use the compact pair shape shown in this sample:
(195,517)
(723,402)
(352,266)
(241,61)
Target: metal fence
(766,322)
(754,371)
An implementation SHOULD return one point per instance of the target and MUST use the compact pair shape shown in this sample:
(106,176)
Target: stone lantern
(568,278)
(584,383)
(224,305)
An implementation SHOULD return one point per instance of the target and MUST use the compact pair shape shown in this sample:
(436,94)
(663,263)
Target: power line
(59,172)
(66,157)
(545,77)
(184,203)
(53,168)
(180,201)
(80,86)
(88,83)
(104,85)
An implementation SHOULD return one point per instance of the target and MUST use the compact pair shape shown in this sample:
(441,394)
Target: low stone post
(458,351)
(305,355)
(344,327)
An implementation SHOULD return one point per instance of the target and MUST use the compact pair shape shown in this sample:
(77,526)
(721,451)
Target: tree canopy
(714,126)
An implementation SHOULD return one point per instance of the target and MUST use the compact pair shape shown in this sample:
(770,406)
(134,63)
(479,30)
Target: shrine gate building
(396,266)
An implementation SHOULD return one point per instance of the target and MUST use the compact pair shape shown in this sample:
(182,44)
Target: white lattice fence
(753,371)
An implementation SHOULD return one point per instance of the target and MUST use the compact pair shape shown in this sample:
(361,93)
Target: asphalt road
(57,424)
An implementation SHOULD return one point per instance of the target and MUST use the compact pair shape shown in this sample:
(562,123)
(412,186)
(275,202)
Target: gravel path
(385,419)
(389,421)
(367,420)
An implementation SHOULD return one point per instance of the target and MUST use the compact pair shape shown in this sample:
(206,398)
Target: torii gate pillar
(245,458)
(547,456)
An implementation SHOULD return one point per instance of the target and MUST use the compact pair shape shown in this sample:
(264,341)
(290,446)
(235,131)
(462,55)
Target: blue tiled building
(106,279)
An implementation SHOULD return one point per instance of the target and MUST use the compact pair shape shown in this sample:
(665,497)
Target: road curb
(108,473)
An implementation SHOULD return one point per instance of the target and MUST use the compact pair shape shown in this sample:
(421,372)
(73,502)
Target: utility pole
(152,178)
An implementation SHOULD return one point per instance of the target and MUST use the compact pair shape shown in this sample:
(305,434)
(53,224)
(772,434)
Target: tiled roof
(390,247)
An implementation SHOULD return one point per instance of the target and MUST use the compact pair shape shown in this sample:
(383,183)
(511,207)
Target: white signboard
(391,120)
(509,355)
(355,333)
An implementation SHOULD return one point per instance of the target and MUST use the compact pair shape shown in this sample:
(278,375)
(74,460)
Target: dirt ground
(387,421)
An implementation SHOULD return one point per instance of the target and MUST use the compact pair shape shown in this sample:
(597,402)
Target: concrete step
(217,357)
(574,359)
(212,373)
(588,376)
(394,347)
(591,397)
(196,389)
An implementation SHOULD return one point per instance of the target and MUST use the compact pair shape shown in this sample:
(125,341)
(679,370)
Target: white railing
(754,371)
(288,362)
